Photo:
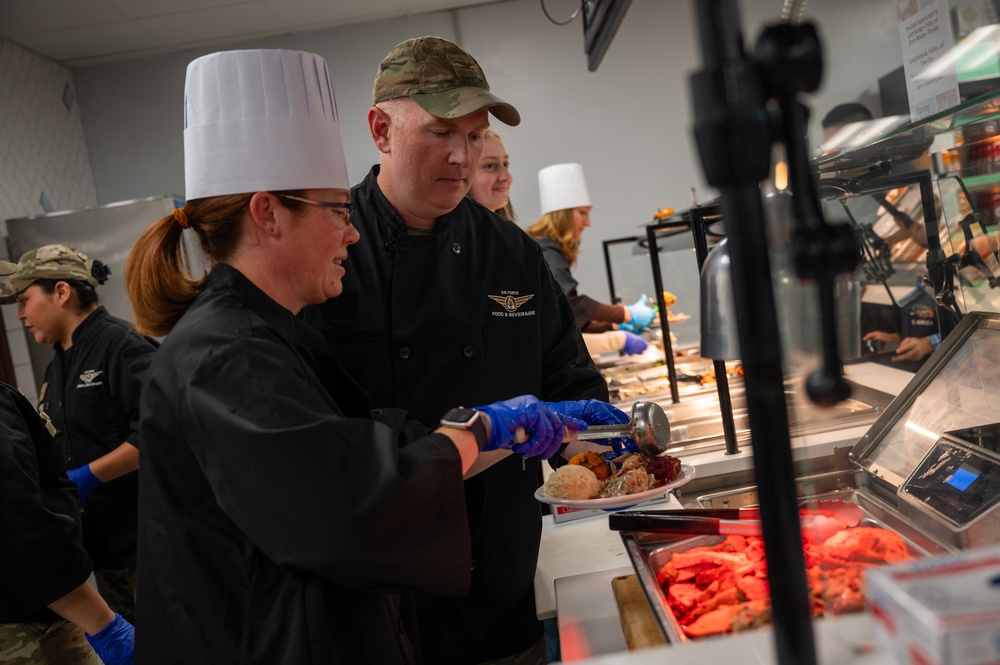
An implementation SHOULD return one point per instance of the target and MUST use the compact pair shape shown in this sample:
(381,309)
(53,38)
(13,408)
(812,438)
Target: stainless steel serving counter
(578,559)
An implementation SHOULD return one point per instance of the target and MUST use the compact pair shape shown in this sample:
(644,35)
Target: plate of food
(590,481)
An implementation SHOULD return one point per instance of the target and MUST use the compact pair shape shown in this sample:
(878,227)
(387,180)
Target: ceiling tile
(121,37)
(144,8)
(216,22)
(323,13)
(74,32)
(25,17)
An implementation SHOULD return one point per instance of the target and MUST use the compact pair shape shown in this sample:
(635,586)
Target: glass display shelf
(895,139)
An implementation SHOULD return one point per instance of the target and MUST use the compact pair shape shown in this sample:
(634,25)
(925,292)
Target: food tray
(650,551)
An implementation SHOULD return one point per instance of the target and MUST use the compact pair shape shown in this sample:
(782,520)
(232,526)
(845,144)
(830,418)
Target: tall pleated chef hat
(562,186)
(260,120)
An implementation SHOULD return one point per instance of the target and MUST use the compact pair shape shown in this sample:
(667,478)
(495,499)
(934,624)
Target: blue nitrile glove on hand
(642,316)
(596,412)
(86,481)
(633,344)
(115,644)
(527,416)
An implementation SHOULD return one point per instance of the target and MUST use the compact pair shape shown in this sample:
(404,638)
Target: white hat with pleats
(262,120)
(562,186)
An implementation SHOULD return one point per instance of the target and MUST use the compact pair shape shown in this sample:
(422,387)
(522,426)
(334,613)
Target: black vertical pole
(607,268)
(668,345)
(939,271)
(732,130)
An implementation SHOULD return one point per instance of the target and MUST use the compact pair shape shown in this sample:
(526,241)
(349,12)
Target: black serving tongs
(729,521)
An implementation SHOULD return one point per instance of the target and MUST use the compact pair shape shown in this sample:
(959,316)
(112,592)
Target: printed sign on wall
(925,33)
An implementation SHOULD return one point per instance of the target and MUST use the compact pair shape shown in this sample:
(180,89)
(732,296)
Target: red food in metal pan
(723,588)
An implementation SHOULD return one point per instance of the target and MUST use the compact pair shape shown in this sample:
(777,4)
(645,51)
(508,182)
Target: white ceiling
(79,33)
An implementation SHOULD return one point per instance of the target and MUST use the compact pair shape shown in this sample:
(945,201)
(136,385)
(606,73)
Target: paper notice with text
(931,79)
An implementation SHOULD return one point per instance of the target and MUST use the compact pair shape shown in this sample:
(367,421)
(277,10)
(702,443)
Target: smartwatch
(467,419)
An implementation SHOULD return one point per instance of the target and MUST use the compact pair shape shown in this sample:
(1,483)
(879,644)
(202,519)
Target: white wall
(628,123)
(42,150)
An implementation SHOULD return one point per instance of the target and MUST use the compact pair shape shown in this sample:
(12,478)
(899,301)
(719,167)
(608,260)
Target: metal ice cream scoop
(648,426)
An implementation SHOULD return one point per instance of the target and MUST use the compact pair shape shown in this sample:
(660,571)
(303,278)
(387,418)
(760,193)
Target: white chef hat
(260,121)
(562,186)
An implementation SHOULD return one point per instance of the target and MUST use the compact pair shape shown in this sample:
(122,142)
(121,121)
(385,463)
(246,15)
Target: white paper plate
(687,473)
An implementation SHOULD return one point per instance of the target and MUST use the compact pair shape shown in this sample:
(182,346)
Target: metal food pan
(649,552)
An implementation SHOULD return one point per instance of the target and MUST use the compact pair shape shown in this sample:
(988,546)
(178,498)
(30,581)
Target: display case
(924,199)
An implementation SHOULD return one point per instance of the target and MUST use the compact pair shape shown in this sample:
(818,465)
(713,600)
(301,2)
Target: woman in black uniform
(565,214)
(281,516)
(91,394)
(43,566)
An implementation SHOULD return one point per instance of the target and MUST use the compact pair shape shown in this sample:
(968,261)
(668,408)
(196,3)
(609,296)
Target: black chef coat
(466,316)
(274,529)
(591,315)
(91,393)
(41,556)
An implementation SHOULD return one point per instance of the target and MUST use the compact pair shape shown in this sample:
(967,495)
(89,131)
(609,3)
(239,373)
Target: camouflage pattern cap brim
(7,293)
(461,102)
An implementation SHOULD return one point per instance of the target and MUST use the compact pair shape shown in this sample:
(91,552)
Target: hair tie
(181,218)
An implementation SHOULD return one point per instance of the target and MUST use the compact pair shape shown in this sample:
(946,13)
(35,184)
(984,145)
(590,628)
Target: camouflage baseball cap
(443,79)
(48,262)
(6,268)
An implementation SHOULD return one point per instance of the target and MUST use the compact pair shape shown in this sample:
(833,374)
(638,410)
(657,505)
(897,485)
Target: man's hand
(913,348)
(880,336)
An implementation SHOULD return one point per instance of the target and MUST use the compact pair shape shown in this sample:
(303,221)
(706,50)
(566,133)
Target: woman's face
(41,314)
(581,220)
(492,181)
(322,236)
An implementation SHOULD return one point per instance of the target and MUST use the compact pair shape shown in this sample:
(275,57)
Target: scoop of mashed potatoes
(574,482)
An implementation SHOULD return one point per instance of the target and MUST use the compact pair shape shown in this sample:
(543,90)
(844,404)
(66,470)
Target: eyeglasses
(346,207)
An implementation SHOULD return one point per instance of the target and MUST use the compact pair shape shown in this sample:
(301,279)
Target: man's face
(431,161)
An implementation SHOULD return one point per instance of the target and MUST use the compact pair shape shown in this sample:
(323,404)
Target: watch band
(470,420)
(478,429)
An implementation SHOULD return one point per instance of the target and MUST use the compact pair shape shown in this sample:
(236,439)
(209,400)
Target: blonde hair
(156,277)
(559,226)
(506,211)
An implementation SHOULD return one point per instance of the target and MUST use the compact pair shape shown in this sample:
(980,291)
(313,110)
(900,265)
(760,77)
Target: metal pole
(668,347)
(733,135)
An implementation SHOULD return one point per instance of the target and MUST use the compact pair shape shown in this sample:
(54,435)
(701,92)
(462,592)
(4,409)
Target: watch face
(459,416)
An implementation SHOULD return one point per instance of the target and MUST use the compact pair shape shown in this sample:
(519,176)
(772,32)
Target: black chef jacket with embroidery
(42,556)
(469,315)
(91,393)
(274,529)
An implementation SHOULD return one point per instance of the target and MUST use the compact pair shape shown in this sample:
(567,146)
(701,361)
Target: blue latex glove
(633,344)
(86,481)
(642,315)
(115,644)
(526,416)
(596,412)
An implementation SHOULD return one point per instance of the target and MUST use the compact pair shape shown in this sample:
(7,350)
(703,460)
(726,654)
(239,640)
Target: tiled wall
(43,156)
